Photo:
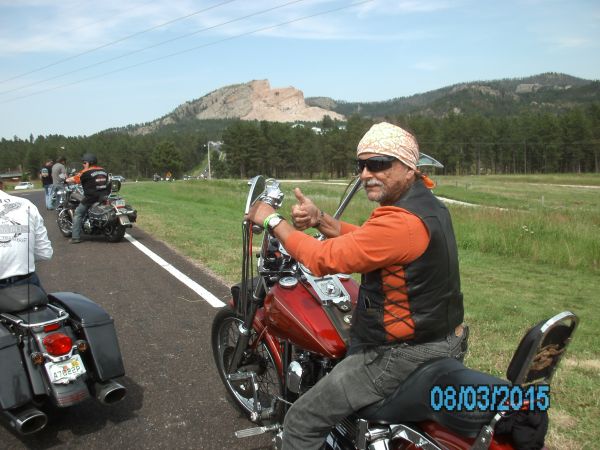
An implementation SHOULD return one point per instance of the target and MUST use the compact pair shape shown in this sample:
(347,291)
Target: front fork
(245,329)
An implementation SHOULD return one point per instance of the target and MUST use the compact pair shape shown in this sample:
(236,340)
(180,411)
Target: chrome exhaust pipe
(110,392)
(26,420)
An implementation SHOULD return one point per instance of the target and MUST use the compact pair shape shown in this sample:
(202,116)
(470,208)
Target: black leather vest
(432,281)
(95,184)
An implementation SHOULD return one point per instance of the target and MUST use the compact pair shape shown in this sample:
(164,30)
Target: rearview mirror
(426,160)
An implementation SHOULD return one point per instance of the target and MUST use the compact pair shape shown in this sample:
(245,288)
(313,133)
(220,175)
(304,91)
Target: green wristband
(267,219)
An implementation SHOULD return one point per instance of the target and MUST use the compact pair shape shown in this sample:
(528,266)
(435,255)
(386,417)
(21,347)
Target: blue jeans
(358,380)
(80,212)
(53,189)
(48,191)
(33,279)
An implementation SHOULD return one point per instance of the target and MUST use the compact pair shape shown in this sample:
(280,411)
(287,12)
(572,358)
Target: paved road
(175,398)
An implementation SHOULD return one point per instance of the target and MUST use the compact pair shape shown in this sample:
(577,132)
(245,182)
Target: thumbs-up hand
(305,214)
(300,196)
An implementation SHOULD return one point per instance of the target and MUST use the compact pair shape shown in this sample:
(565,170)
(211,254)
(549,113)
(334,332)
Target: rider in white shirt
(23,240)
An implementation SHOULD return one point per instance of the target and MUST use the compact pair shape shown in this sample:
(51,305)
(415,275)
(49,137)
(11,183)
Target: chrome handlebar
(272,194)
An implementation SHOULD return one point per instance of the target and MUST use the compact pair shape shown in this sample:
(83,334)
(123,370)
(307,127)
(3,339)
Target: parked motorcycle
(59,348)
(110,217)
(60,196)
(286,328)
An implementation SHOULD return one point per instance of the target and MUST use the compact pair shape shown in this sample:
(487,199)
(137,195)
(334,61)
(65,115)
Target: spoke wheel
(257,359)
(65,223)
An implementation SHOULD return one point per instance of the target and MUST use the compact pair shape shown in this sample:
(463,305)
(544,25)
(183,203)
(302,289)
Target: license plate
(124,220)
(65,371)
(119,203)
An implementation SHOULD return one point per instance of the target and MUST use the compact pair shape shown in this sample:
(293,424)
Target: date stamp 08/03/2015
(488,398)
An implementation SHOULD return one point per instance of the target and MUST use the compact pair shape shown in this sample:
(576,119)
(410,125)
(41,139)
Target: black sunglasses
(375,164)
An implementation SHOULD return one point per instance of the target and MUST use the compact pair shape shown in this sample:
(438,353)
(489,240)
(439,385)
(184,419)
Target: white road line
(206,295)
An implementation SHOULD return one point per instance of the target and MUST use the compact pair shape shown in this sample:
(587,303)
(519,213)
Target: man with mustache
(410,307)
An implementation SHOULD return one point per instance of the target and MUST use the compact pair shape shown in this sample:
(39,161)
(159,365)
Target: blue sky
(77,67)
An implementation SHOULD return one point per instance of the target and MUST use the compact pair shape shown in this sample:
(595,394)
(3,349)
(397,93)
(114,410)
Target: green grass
(519,265)
(518,192)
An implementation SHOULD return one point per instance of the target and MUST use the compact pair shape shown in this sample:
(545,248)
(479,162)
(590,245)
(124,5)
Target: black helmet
(90,157)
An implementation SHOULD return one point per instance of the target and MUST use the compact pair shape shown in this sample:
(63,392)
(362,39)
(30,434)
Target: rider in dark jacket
(95,182)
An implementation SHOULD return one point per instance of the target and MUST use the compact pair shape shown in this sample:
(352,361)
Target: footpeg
(255,431)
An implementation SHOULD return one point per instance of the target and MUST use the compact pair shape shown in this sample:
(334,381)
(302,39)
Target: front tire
(65,222)
(257,358)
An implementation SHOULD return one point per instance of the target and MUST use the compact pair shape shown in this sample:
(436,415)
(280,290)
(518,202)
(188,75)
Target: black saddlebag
(99,330)
(14,384)
(131,213)
(101,213)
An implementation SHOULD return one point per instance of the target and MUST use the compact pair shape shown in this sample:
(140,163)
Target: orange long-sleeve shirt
(391,238)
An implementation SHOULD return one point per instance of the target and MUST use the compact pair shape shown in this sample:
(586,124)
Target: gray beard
(386,198)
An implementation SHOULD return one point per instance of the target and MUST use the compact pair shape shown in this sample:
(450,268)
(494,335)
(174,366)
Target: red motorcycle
(285,329)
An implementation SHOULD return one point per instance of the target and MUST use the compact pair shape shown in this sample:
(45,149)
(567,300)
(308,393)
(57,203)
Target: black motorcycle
(59,348)
(111,216)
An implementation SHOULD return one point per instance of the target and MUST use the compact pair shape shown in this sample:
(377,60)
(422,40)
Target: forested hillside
(466,144)
(554,128)
(550,92)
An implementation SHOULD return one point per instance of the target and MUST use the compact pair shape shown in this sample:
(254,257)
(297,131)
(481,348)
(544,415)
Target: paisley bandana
(387,139)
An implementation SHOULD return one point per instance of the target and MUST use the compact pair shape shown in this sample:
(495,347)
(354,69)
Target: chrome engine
(305,370)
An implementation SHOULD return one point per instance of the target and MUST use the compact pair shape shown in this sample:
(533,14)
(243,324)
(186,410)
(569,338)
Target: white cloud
(40,26)
(390,7)
(570,42)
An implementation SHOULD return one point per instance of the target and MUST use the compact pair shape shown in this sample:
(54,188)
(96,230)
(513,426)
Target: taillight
(58,344)
(51,327)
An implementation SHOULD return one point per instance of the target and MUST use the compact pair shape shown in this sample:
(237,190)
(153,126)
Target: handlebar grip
(273,197)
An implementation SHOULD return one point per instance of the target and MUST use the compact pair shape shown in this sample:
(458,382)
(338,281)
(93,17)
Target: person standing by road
(46,177)
(23,240)
(410,307)
(59,175)
(95,182)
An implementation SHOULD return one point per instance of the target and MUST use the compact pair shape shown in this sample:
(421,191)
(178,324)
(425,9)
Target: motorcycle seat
(20,297)
(100,201)
(412,401)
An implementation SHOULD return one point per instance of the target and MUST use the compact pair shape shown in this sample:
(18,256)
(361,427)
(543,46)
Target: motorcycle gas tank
(294,314)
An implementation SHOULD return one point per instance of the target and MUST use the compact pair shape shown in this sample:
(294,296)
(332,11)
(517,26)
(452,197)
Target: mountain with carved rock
(551,92)
(255,100)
